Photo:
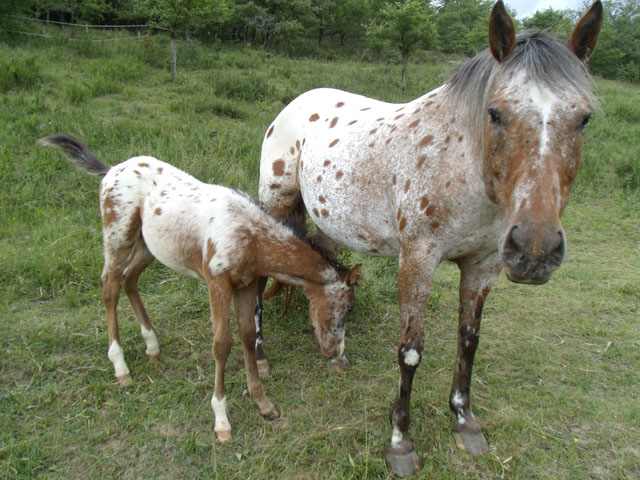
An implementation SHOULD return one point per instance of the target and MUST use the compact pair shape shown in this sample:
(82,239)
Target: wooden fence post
(173,52)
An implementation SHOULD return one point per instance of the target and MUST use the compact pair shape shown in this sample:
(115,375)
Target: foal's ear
(584,38)
(502,32)
(353,276)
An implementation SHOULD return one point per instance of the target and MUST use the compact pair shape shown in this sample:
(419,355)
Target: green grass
(555,382)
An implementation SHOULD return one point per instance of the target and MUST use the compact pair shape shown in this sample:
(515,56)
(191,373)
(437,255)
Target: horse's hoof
(124,380)
(153,358)
(473,443)
(402,464)
(341,364)
(263,368)
(272,416)
(223,435)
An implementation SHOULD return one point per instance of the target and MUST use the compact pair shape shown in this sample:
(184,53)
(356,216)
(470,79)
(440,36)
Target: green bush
(18,69)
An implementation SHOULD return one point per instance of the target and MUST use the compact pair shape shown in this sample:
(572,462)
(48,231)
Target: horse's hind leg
(475,282)
(261,359)
(142,258)
(115,261)
(242,304)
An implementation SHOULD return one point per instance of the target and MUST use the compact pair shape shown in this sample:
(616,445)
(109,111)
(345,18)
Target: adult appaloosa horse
(477,172)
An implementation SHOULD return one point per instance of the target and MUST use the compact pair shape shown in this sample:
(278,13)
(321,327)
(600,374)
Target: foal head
(329,308)
(532,111)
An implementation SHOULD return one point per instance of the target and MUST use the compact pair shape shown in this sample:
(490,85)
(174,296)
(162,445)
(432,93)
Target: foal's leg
(142,258)
(114,263)
(475,282)
(415,275)
(242,304)
(220,299)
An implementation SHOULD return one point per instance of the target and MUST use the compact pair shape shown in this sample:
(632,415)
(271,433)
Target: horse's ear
(584,38)
(502,32)
(353,276)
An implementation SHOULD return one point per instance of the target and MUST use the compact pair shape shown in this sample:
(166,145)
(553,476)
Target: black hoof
(473,443)
(271,416)
(341,364)
(402,464)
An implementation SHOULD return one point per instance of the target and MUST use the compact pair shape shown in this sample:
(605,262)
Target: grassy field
(556,378)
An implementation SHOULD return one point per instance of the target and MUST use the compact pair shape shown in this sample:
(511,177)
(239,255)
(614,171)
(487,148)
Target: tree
(462,25)
(558,22)
(404,25)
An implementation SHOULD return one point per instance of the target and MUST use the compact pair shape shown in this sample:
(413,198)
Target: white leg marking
(396,437)
(411,357)
(117,358)
(457,400)
(220,411)
(152,342)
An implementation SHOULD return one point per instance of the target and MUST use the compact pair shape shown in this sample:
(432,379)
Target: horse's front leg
(220,299)
(475,283)
(415,275)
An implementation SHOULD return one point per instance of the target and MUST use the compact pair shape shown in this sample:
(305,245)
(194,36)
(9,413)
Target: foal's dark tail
(77,152)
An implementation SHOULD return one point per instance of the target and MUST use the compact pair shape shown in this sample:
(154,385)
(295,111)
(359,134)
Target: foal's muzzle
(531,253)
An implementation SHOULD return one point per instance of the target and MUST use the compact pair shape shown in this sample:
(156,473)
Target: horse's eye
(585,120)
(350,308)
(495,116)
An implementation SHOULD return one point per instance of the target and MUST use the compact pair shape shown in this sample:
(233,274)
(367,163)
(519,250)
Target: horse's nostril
(515,240)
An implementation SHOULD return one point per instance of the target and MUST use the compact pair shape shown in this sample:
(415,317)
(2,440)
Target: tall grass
(555,382)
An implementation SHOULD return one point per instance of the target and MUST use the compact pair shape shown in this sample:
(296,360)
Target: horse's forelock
(543,57)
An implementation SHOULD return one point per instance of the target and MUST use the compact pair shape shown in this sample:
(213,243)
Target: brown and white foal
(151,209)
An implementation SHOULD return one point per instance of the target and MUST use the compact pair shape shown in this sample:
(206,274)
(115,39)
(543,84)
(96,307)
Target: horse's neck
(294,262)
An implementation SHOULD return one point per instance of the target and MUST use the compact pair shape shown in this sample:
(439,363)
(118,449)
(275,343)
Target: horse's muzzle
(531,255)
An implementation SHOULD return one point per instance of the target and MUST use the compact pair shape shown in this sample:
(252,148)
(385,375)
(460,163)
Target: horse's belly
(357,219)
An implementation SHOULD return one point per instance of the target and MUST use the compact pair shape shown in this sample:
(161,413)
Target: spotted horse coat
(151,210)
(477,172)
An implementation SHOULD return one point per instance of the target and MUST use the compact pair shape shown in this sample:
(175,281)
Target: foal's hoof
(341,364)
(473,443)
(124,380)
(263,368)
(153,358)
(223,435)
(272,416)
(402,464)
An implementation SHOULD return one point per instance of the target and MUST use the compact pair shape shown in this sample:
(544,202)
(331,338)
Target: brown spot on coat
(326,163)
(275,186)
(460,138)
(315,212)
(109,205)
(297,144)
(426,140)
(143,164)
(319,179)
(393,179)
(414,124)
(399,214)
(333,122)
(159,169)
(137,173)
(407,185)
(278,168)
(430,210)
(398,116)
(373,131)
(403,223)
(339,104)
(421,161)
(339,174)
(424,201)
(157,211)
(448,184)
(292,150)
(434,225)
(314,117)
(333,144)
(365,109)
(324,213)
(352,122)
(270,131)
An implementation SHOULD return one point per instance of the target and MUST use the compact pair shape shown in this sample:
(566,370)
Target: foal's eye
(495,116)
(585,120)
(350,308)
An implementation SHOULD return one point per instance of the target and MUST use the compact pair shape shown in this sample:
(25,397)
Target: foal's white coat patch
(117,358)
(220,412)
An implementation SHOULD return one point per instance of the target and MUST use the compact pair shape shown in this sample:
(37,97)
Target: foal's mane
(542,56)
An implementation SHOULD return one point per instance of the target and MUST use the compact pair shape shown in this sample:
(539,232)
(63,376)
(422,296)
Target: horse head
(536,108)
(329,308)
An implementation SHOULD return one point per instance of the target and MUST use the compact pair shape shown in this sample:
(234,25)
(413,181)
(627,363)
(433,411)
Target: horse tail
(77,152)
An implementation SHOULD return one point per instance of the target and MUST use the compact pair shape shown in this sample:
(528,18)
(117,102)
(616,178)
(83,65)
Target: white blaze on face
(117,358)
(545,101)
(220,411)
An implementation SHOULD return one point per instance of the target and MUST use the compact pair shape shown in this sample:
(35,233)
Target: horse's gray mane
(543,57)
